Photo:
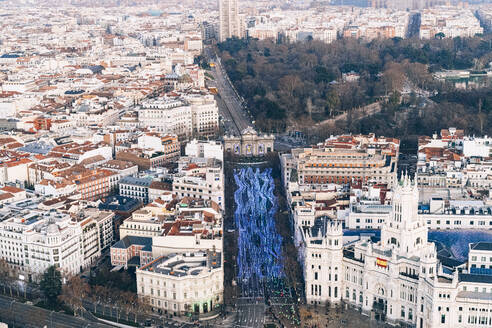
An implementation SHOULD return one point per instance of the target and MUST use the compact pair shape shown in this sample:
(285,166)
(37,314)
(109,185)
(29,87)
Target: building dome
(52,229)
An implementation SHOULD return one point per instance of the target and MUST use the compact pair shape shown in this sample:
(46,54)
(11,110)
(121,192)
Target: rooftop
(478,278)
(128,241)
(186,264)
(475,295)
(144,182)
(119,203)
(481,246)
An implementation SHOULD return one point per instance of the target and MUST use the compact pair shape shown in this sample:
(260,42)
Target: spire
(404,178)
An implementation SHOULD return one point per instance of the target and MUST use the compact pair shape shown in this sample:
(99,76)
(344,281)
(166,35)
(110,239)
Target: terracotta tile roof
(11,189)
(14,145)
(5,196)
(17,162)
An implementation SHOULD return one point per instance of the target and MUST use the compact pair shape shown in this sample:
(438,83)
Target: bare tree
(393,77)
(74,292)
(127,301)
(7,275)
(143,306)
(289,84)
(102,295)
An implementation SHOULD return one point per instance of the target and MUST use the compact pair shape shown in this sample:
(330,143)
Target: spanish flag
(381,262)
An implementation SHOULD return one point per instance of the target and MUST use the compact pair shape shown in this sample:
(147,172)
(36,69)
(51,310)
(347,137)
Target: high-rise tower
(323,256)
(405,230)
(229,24)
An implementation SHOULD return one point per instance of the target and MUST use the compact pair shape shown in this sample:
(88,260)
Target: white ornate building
(398,279)
(33,240)
(191,115)
(250,143)
(183,283)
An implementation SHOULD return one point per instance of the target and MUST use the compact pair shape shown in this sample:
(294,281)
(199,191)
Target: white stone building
(204,114)
(205,183)
(167,115)
(205,149)
(32,241)
(437,214)
(192,115)
(100,117)
(183,283)
(250,143)
(143,223)
(480,255)
(398,279)
(477,147)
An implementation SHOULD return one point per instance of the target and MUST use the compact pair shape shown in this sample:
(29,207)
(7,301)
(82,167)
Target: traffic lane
(111,311)
(235,105)
(28,314)
(250,315)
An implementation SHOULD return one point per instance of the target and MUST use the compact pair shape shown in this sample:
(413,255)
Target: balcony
(348,254)
(411,276)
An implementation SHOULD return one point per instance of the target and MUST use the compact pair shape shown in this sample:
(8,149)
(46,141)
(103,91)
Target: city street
(117,314)
(233,109)
(24,315)
(259,245)
(250,313)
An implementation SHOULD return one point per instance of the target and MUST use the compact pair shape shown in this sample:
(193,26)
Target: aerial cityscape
(245,163)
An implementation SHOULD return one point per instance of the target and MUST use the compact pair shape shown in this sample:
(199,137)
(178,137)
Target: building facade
(343,159)
(438,214)
(206,184)
(250,143)
(205,149)
(145,159)
(180,284)
(195,114)
(32,241)
(142,223)
(131,250)
(134,187)
(399,278)
(229,24)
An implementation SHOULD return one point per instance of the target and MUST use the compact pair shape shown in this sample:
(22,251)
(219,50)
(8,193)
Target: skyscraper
(229,24)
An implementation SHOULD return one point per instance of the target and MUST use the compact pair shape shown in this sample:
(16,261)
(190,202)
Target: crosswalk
(250,313)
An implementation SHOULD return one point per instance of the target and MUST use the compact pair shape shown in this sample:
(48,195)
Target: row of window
(458,222)
(335,276)
(476,289)
(482,259)
(316,291)
(189,189)
(369,220)
(130,187)
(165,294)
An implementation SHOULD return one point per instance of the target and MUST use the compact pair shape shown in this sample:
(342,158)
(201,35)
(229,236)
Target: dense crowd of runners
(259,245)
